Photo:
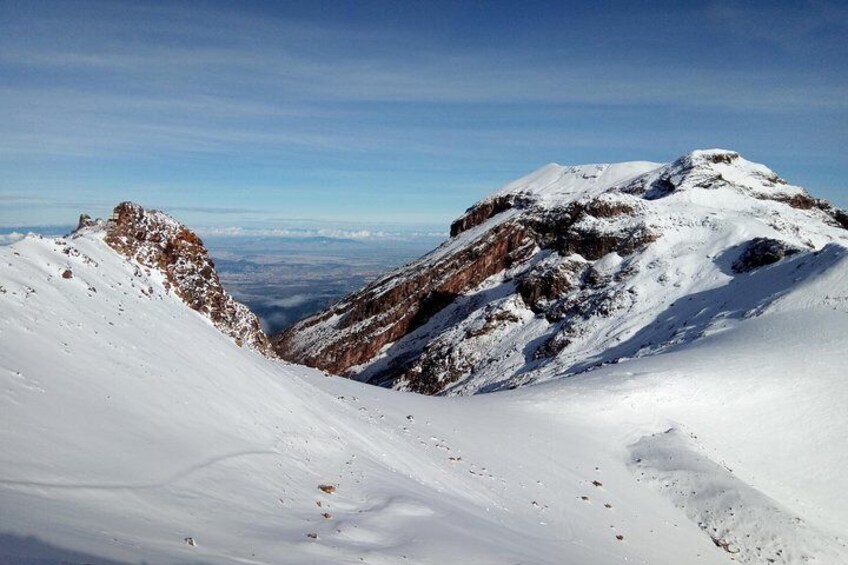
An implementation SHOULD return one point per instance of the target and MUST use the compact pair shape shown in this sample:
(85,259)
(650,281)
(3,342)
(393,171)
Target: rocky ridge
(566,269)
(154,240)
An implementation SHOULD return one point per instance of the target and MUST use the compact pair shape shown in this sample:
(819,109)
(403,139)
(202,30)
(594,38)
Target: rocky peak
(155,240)
(566,268)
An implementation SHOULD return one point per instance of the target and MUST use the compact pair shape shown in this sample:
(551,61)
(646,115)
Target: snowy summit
(570,268)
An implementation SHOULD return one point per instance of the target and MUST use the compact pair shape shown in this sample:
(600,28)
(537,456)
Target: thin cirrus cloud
(76,122)
(110,97)
(308,233)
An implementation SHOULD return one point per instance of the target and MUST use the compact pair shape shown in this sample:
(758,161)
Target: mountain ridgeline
(570,268)
(557,273)
(699,310)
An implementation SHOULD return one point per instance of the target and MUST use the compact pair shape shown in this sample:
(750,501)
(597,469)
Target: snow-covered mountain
(135,429)
(570,268)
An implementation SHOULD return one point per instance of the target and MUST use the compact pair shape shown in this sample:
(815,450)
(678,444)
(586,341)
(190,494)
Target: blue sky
(397,114)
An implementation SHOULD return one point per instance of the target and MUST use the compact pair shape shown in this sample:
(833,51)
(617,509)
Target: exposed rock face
(481,212)
(565,268)
(583,228)
(157,241)
(544,283)
(85,221)
(398,304)
(762,251)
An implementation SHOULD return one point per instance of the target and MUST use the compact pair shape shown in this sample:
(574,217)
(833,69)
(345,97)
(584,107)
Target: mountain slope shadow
(29,550)
(745,296)
(400,354)
(690,318)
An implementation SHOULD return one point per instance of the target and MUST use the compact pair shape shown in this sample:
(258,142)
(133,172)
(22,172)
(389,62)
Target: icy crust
(712,169)
(154,240)
(551,187)
(570,268)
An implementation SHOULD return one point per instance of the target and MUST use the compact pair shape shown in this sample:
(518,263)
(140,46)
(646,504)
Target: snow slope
(129,424)
(553,183)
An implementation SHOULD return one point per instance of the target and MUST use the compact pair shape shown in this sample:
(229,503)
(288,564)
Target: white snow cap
(553,183)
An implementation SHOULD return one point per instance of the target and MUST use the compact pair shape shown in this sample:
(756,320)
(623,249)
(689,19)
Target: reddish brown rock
(155,240)
(354,331)
(478,214)
(394,306)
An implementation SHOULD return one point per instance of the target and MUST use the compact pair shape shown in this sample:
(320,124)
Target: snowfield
(132,430)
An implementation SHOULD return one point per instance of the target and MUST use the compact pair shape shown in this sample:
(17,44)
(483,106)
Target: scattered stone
(725,545)
(329,489)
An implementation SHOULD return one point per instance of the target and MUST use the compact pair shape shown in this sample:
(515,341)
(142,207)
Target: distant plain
(283,280)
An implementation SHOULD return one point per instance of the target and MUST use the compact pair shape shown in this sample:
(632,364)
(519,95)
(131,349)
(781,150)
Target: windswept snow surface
(131,430)
(554,183)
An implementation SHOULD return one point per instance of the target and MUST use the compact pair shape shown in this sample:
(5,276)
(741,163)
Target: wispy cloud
(308,233)
(222,83)
(225,111)
(795,27)
(214,210)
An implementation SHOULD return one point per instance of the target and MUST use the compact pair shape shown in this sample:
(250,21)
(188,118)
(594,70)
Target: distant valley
(285,279)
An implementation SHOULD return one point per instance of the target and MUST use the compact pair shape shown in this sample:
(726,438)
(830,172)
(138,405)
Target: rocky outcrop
(840,217)
(397,305)
(837,216)
(156,241)
(481,212)
(355,331)
(544,283)
(762,251)
(575,229)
